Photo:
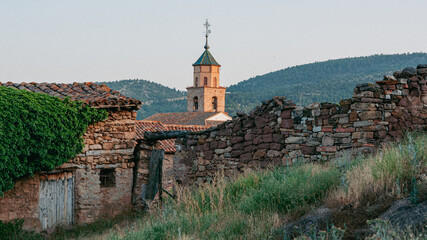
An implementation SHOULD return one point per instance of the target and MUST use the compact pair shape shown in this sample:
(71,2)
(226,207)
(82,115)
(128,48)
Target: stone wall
(108,145)
(141,171)
(22,202)
(279,133)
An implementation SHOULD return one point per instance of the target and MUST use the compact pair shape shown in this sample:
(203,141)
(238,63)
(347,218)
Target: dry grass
(389,172)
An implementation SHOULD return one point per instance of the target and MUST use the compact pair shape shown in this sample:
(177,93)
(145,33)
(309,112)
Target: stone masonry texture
(280,133)
(108,145)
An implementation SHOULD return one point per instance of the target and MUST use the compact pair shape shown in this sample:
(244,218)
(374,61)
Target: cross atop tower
(207,25)
(208,31)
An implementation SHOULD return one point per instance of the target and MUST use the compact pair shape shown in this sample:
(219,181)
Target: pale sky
(106,40)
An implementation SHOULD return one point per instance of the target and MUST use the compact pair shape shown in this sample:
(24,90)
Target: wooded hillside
(329,81)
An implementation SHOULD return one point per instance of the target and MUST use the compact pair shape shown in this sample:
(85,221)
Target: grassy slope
(257,205)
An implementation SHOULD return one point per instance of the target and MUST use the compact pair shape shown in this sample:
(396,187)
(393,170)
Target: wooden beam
(161,135)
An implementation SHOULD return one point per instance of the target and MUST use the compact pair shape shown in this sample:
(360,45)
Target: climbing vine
(39,132)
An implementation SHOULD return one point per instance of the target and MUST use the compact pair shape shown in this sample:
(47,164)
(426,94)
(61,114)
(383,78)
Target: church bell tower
(206,95)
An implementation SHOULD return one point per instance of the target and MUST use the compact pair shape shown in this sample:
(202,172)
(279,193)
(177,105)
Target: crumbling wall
(279,133)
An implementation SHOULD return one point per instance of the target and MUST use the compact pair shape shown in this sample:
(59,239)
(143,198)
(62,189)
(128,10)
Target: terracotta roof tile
(182,118)
(155,126)
(98,96)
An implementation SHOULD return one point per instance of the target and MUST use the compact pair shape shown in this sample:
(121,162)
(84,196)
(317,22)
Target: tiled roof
(98,96)
(155,126)
(206,59)
(182,118)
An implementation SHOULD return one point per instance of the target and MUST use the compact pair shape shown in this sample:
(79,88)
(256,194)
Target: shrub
(39,132)
(13,231)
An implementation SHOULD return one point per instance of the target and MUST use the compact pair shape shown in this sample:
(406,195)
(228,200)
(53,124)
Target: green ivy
(39,132)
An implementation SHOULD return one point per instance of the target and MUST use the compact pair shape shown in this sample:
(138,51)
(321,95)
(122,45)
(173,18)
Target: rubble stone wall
(22,202)
(279,133)
(108,145)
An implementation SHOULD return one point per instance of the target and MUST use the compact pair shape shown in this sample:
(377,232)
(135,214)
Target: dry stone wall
(279,133)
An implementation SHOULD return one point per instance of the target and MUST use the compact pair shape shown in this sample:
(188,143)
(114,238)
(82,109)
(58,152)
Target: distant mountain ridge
(333,80)
(154,96)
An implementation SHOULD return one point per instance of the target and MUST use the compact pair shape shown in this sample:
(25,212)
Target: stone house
(97,182)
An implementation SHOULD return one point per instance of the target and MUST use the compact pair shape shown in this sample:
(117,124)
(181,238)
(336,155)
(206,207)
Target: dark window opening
(214,103)
(206,81)
(107,178)
(196,104)
(215,82)
(196,82)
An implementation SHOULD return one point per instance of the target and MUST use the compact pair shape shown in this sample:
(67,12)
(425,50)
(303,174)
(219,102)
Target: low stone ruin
(280,133)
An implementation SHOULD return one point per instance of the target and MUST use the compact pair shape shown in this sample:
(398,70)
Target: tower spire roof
(206,58)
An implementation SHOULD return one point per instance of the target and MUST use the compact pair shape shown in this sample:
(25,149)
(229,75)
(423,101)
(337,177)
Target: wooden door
(56,200)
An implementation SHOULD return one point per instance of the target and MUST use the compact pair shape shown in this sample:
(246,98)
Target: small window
(196,82)
(107,178)
(206,81)
(196,104)
(215,82)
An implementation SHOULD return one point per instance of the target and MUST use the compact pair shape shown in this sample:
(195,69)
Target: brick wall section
(279,133)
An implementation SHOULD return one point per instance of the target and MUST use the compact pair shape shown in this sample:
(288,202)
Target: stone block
(327,141)
(363,123)
(286,114)
(292,139)
(343,120)
(245,157)
(259,154)
(369,115)
(360,106)
(326,149)
(308,150)
(287,123)
(273,153)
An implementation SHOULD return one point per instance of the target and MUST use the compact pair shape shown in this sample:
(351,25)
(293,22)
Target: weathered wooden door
(155,173)
(56,200)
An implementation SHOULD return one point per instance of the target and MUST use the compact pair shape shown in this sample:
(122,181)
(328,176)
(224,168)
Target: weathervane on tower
(208,31)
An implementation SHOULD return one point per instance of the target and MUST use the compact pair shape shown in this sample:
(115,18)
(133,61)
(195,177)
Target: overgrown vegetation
(250,207)
(13,231)
(257,205)
(39,132)
(393,171)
